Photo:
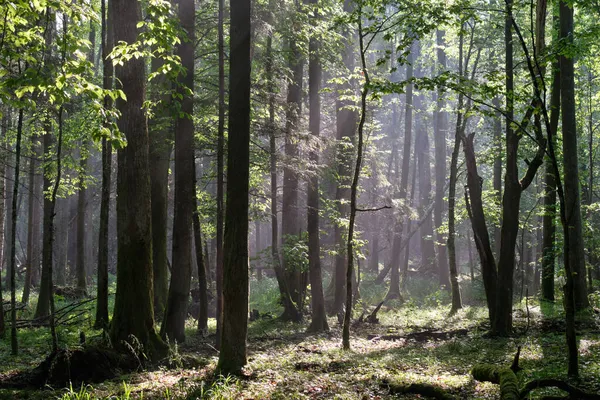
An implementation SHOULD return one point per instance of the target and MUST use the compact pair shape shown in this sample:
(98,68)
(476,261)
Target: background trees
(315,89)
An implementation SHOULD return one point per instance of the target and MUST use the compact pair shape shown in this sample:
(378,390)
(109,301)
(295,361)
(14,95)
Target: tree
(107,80)
(291,279)
(220,170)
(232,356)
(440,118)
(134,227)
(575,251)
(319,317)
(185,191)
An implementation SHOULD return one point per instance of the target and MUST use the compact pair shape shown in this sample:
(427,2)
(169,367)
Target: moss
(504,376)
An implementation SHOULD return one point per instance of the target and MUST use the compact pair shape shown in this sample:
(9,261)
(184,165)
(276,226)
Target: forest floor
(412,344)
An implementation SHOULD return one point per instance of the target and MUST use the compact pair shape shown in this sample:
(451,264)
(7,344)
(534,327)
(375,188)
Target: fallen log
(509,384)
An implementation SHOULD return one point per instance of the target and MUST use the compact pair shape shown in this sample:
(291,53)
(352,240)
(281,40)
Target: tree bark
(394,290)
(440,132)
(220,170)
(232,356)
(185,191)
(102,284)
(134,222)
(33,225)
(291,284)
(160,158)
(80,270)
(575,252)
(14,345)
(319,317)
(549,219)
(3,169)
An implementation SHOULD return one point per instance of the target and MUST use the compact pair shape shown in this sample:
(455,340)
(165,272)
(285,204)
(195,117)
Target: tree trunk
(3,169)
(14,345)
(394,290)
(102,284)
(346,121)
(33,225)
(456,300)
(354,188)
(134,221)
(440,128)
(201,265)
(160,158)
(185,191)
(291,283)
(575,252)
(220,171)
(319,317)
(232,356)
(81,233)
(549,220)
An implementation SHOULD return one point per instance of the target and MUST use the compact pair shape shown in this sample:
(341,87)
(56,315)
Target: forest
(317,199)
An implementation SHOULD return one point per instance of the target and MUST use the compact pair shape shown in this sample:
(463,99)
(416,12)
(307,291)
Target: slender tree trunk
(3,169)
(291,283)
(201,265)
(319,317)
(440,129)
(394,290)
(81,234)
(14,345)
(102,284)
(549,221)
(354,188)
(232,356)
(346,122)
(134,222)
(220,170)
(33,225)
(185,191)
(575,252)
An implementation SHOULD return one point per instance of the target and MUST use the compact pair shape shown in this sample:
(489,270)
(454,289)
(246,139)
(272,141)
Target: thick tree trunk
(102,284)
(232,356)
(185,191)
(439,135)
(160,158)
(575,252)
(319,317)
(134,217)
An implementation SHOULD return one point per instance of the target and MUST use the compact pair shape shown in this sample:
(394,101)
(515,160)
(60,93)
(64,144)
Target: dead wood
(422,336)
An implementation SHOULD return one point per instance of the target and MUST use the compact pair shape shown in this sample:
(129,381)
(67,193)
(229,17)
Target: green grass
(286,363)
